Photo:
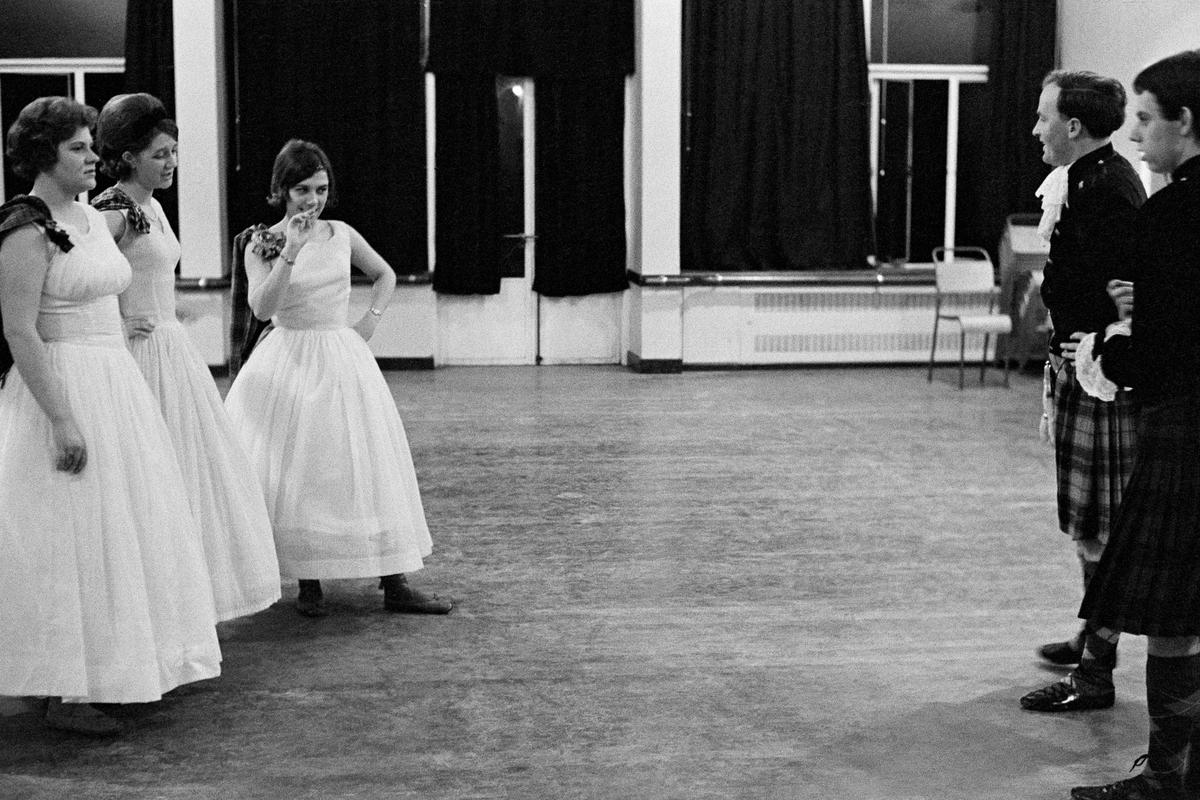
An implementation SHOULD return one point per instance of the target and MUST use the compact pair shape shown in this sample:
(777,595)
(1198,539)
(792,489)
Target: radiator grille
(830,302)
(821,325)
(832,343)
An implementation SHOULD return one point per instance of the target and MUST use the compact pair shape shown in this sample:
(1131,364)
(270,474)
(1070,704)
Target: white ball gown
(323,433)
(234,527)
(103,582)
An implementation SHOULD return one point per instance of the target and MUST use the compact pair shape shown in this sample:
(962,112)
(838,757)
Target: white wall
(1120,37)
(200,86)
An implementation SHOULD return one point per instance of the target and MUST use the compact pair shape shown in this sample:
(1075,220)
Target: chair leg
(962,355)
(983,361)
(932,350)
(1007,345)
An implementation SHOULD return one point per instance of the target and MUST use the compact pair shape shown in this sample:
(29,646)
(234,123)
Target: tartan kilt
(1148,580)
(1093,456)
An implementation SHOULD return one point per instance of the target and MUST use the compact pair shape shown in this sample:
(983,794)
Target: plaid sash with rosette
(115,199)
(245,329)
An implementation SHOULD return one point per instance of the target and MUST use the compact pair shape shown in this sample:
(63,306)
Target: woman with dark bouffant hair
(137,143)
(103,582)
(314,411)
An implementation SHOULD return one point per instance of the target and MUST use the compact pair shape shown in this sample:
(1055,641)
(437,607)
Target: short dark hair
(1096,101)
(44,124)
(298,161)
(1175,83)
(127,124)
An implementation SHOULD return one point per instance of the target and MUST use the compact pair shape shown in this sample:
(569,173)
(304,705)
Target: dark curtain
(578,55)
(465,49)
(776,167)
(150,68)
(580,204)
(469,37)
(531,37)
(346,75)
(1023,40)
(568,38)
(468,234)
(150,50)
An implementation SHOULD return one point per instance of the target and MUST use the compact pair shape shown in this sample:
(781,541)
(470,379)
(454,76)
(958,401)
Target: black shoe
(1063,654)
(81,718)
(311,600)
(1068,694)
(401,598)
(1135,788)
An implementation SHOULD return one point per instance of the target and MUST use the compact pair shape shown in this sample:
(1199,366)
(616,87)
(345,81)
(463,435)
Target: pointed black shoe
(1135,788)
(1062,654)
(401,598)
(311,600)
(81,718)
(1068,694)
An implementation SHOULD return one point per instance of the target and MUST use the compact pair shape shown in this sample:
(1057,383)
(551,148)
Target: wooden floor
(775,584)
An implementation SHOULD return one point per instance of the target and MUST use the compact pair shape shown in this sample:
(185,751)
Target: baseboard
(424,362)
(222,370)
(653,366)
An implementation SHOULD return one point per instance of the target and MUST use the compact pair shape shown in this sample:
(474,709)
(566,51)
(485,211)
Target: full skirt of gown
(103,582)
(323,434)
(234,528)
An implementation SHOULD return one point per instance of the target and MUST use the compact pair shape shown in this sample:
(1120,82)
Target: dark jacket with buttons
(1162,358)
(1091,244)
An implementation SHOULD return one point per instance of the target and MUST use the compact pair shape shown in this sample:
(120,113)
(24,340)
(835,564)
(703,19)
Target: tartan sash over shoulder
(16,213)
(245,329)
(115,199)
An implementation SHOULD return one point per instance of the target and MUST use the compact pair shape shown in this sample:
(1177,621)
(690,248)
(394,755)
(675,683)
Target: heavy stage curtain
(580,203)
(150,68)
(150,50)
(468,230)
(1022,53)
(578,55)
(776,167)
(346,75)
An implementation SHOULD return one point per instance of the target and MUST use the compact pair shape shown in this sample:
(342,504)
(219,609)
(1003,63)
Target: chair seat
(982,323)
(956,278)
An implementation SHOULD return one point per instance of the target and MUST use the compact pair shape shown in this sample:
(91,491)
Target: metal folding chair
(964,276)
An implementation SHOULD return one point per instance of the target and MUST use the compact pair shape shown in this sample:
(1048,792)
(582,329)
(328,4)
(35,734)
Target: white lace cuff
(1119,328)
(1088,372)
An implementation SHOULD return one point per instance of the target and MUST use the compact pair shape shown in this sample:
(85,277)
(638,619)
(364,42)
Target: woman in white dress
(315,413)
(137,144)
(103,583)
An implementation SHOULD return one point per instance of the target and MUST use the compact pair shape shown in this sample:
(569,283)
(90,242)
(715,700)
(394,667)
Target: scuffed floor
(778,584)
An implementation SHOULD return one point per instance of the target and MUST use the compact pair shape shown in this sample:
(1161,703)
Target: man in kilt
(1089,203)
(1148,581)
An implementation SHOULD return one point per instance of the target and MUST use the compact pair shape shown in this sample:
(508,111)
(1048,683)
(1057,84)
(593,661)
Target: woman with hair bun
(137,144)
(314,411)
(103,582)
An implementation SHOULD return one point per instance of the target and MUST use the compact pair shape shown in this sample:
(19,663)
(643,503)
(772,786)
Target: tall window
(930,104)
(79,55)
(89,80)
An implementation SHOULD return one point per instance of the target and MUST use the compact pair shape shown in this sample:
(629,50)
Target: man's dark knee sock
(1173,702)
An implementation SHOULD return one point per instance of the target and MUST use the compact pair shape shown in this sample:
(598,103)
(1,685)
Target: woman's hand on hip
(138,328)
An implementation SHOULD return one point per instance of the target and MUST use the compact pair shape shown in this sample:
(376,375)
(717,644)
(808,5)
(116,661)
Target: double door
(519,326)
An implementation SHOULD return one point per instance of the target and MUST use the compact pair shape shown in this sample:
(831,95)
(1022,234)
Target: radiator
(816,325)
